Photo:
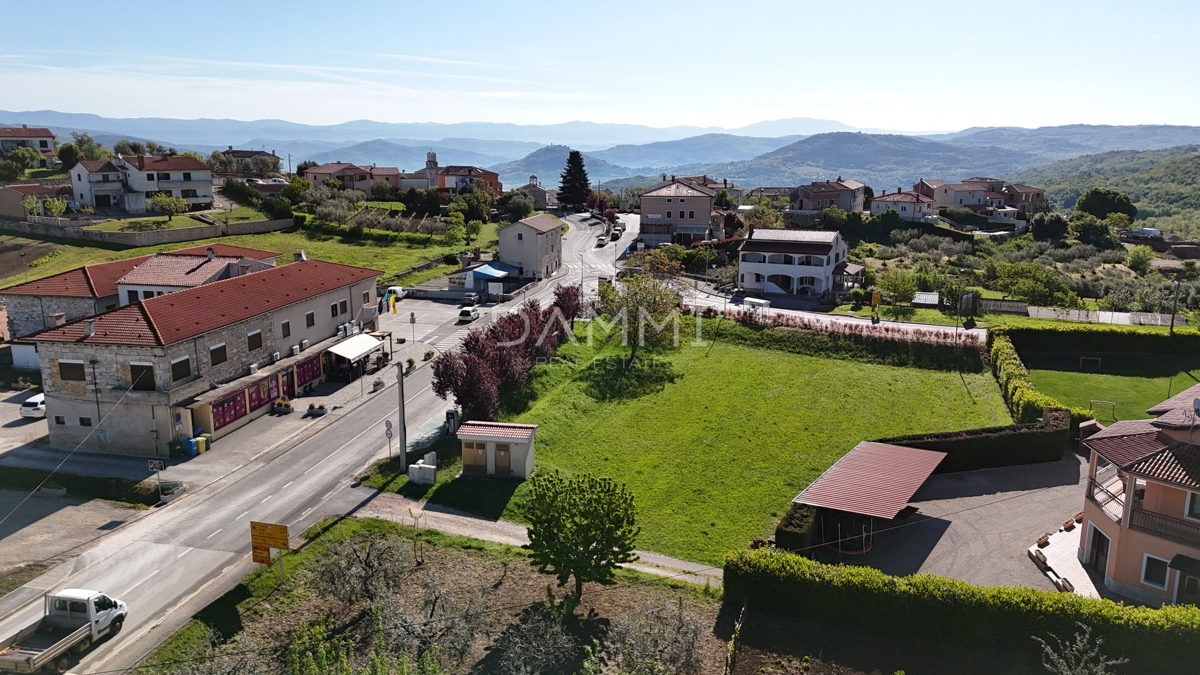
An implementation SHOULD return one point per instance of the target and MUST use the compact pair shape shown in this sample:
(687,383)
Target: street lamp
(581,274)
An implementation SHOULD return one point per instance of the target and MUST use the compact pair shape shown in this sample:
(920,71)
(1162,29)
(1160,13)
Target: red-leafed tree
(610,215)
(593,200)
(568,301)
(479,394)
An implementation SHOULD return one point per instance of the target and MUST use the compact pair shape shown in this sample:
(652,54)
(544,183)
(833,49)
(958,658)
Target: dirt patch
(44,529)
(13,263)
(17,577)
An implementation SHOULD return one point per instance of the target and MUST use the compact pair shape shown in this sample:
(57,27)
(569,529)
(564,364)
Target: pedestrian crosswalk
(452,340)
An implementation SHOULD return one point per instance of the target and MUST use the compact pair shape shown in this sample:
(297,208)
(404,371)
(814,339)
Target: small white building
(130,182)
(498,449)
(533,246)
(961,194)
(792,262)
(910,205)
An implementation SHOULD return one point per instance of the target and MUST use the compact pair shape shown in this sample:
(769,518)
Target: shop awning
(489,272)
(356,347)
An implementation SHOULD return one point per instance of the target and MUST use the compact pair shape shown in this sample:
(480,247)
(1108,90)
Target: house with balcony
(910,205)
(676,212)
(791,262)
(455,178)
(1141,516)
(133,379)
(24,136)
(130,182)
(1024,198)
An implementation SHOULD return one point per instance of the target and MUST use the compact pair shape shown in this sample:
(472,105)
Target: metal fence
(1119,318)
(992,306)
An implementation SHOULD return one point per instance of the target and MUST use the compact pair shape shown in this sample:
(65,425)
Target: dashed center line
(288,483)
(184,553)
(266,498)
(214,533)
(242,516)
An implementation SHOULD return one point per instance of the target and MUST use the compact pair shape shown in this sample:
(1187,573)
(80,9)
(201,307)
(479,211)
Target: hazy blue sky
(895,65)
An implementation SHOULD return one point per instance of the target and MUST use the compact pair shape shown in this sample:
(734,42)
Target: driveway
(15,430)
(976,525)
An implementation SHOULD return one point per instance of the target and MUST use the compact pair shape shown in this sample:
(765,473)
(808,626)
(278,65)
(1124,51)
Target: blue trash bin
(191,447)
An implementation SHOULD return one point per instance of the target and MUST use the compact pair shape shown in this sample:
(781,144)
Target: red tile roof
(33,189)
(1181,400)
(542,223)
(1178,465)
(1126,428)
(225,250)
(902,197)
(873,479)
(497,429)
(1126,450)
(25,132)
(466,171)
(177,270)
(165,163)
(92,281)
(99,165)
(167,319)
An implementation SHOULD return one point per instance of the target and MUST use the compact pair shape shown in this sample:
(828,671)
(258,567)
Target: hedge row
(1090,337)
(1024,402)
(991,447)
(92,487)
(941,610)
(852,347)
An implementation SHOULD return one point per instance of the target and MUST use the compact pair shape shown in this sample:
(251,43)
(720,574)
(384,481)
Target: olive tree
(169,204)
(55,207)
(581,527)
(365,568)
(32,206)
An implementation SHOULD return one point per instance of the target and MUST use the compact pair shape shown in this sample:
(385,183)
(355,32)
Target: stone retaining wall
(62,228)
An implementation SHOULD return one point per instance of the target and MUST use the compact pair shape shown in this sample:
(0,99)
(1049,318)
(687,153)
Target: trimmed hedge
(1090,337)
(853,347)
(944,610)
(1043,441)
(1025,403)
(92,487)
(795,531)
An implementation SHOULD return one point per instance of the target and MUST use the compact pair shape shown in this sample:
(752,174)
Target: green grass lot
(715,442)
(41,174)
(147,224)
(390,206)
(322,241)
(239,215)
(1134,382)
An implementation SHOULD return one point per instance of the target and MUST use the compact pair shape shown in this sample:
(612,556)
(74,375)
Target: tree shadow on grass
(611,379)
(583,630)
(473,495)
(223,615)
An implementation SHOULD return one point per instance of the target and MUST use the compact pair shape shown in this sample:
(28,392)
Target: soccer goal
(1089,363)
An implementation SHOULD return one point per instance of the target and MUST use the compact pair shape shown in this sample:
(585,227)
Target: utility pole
(1174,307)
(403,426)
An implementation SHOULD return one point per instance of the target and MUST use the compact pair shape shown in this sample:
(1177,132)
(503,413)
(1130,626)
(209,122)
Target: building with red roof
(130,182)
(214,357)
(12,199)
(38,138)
(499,449)
(532,245)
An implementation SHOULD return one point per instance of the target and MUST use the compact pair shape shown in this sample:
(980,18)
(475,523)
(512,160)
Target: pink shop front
(236,403)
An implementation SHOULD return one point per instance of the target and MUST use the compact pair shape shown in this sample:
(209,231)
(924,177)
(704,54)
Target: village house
(421,179)
(1141,515)
(455,178)
(134,379)
(130,182)
(544,198)
(352,176)
(12,199)
(498,449)
(736,194)
(910,205)
(163,274)
(240,157)
(89,290)
(847,195)
(675,212)
(960,194)
(1024,198)
(38,138)
(533,246)
(794,262)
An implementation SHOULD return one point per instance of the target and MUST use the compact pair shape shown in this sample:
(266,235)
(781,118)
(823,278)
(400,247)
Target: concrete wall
(259,226)
(63,228)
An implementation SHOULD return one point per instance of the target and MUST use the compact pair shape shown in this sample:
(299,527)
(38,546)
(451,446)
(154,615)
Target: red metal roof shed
(873,479)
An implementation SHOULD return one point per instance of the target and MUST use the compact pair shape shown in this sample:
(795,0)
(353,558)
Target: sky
(870,64)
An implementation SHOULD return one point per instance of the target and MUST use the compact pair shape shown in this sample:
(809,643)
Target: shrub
(944,610)
(1024,402)
(1042,441)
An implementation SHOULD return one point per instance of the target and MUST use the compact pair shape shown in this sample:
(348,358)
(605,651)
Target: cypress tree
(574,187)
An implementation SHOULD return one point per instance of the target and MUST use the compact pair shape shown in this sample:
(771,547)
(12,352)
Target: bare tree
(441,619)
(658,637)
(368,567)
(538,644)
(1078,657)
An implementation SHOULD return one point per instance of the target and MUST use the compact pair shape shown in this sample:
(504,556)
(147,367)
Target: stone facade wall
(68,229)
(29,313)
(259,226)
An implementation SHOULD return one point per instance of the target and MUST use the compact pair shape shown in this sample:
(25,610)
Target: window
(285,329)
(187,176)
(60,420)
(1154,571)
(150,194)
(146,295)
(181,368)
(141,376)
(520,236)
(1192,586)
(254,340)
(79,177)
(668,200)
(333,309)
(217,354)
(668,214)
(691,215)
(1193,509)
(149,176)
(343,306)
(366,297)
(310,320)
(44,144)
(682,201)
(164,176)
(85,421)
(71,370)
(187,193)
(133,296)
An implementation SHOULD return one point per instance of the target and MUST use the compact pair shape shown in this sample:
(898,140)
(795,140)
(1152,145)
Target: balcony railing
(1171,528)
(1111,503)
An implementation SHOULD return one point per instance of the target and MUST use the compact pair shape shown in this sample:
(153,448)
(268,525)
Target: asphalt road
(168,565)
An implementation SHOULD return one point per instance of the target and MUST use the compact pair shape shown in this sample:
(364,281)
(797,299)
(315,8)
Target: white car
(254,181)
(602,240)
(279,181)
(34,406)
(468,315)
(397,291)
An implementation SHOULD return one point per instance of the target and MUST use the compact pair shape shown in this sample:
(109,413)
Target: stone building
(214,357)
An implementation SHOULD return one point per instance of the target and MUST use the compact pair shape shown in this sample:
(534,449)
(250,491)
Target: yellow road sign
(875,299)
(269,535)
(262,554)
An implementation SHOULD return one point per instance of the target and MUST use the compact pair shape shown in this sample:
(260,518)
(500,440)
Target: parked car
(279,181)
(616,234)
(34,406)
(468,314)
(470,299)
(397,291)
(254,181)
(601,240)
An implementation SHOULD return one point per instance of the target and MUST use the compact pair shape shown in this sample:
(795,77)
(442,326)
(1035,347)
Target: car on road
(616,234)
(601,240)
(254,181)
(397,291)
(470,299)
(34,406)
(468,314)
(279,181)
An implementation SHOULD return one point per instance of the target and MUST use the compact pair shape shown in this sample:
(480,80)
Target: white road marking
(305,514)
(288,483)
(242,516)
(410,399)
(451,341)
(214,533)
(144,580)
(183,554)
(266,498)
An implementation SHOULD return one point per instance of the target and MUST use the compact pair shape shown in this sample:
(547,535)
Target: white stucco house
(129,182)
(792,262)
(532,245)
(910,205)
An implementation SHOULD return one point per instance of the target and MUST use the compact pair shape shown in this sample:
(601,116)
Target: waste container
(175,447)
(207,440)
(191,447)
(201,444)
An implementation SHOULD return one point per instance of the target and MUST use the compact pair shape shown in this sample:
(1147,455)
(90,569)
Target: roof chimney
(672,176)
(58,318)
(212,252)
(243,267)
(24,126)
(664,176)
(230,149)
(89,328)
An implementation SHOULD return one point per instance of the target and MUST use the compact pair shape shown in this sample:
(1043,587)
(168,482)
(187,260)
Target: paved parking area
(977,525)
(15,430)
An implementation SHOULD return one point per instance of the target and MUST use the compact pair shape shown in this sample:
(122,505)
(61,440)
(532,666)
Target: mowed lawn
(1134,382)
(715,456)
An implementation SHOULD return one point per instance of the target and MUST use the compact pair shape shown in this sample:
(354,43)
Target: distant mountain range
(548,163)
(694,150)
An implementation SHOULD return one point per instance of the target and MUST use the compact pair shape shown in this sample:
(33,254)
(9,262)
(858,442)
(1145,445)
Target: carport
(867,490)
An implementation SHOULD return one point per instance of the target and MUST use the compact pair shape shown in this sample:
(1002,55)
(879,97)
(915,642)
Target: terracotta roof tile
(92,281)
(25,132)
(99,166)
(1178,464)
(1125,450)
(542,223)
(873,479)
(1126,428)
(1179,418)
(177,270)
(500,429)
(165,163)
(225,250)
(807,236)
(902,197)
(1181,400)
(33,189)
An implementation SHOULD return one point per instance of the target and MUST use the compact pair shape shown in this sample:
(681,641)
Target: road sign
(156,464)
(387,432)
(269,535)
(412,317)
(261,554)
(387,424)
(875,299)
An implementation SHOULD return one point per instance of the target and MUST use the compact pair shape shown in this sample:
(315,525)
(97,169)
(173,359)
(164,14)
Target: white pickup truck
(74,619)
